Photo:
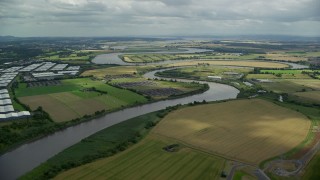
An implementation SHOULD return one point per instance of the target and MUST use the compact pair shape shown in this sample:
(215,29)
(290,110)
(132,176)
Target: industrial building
(68,72)
(59,67)
(45,66)
(12,69)
(5,101)
(30,67)
(6,109)
(38,71)
(13,115)
(73,68)
(6,78)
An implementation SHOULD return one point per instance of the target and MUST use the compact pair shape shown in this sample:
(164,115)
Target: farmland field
(286,57)
(147,160)
(64,106)
(101,73)
(288,71)
(202,72)
(310,96)
(246,130)
(74,99)
(260,64)
(147,58)
(281,76)
(292,85)
(130,78)
(83,55)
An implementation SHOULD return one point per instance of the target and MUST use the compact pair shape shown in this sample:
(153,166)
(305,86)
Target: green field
(75,98)
(154,89)
(202,72)
(150,87)
(76,85)
(242,175)
(71,55)
(312,170)
(148,160)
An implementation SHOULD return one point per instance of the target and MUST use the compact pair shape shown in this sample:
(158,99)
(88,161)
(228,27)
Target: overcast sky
(159,17)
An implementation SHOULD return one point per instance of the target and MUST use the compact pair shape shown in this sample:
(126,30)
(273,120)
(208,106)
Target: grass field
(71,100)
(148,160)
(242,175)
(260,64)
(246,130)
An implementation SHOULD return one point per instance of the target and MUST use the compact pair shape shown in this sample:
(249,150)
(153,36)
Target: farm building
(215,77)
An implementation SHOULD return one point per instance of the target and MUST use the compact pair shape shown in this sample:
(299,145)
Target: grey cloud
(168,16)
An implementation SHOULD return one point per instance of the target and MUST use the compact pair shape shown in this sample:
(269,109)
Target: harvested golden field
(63,106)
(261,64)
(246,130)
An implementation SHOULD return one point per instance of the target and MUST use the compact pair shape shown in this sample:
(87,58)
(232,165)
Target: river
(28,156)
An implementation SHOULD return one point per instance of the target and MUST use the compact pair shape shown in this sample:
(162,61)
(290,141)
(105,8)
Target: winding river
(26,157)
